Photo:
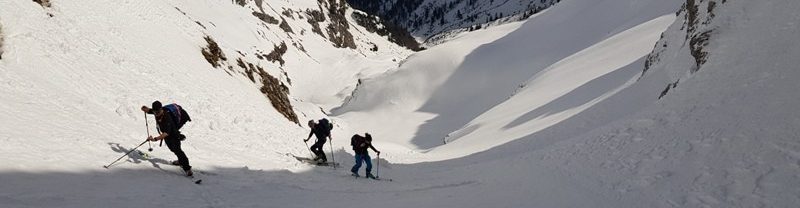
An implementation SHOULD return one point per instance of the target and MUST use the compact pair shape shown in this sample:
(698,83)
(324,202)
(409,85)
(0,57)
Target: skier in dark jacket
(360,145)
(323,132)
(170,134)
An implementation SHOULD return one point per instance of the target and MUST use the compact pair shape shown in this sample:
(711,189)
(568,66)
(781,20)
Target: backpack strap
(178,112)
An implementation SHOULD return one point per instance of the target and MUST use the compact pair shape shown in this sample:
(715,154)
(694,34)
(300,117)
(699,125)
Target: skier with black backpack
(323,131)
(360,145)
(170,119)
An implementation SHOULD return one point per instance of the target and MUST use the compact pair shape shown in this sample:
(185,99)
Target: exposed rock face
(278,95)
(44,3)
(338,29)
(213,53)
(273,88)
(688,37)
(277,54)
(266,18)
(396,34)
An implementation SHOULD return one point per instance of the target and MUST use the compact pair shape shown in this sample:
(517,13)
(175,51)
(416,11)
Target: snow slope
(87,67)
(722,138)
(529,124)
(488,75)
(74,75)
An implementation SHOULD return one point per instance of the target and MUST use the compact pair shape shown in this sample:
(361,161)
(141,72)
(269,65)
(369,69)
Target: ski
(192,177)
(195,180)
(313,162)
(381,179)
(373,178)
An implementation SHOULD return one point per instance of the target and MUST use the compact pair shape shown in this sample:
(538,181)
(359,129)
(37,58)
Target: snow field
(551,112)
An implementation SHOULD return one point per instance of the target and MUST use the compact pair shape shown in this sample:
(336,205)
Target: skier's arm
(369,142)
(167,129)
(309,135)
(147,110)
(373,148)
(159,137)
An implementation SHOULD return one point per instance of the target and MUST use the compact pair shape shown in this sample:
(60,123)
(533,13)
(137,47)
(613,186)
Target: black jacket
(321,132)
(165,125)
(360,144)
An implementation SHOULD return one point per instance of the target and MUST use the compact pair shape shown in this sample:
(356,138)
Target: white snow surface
(552,54)
(550,112)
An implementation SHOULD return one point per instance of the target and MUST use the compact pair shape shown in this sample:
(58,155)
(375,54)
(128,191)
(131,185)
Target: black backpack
(326,126)
(178,115)
(357,140)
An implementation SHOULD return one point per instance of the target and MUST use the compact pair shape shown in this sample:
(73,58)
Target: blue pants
(366,159)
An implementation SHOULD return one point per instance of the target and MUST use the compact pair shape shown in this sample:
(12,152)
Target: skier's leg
(321,150)
(368,161)
(357,165)
(315,149)
(174,145)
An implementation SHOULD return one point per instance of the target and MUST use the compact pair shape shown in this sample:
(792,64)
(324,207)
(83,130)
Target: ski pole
(160,142)
(126,154)
(378,168)
(333,158)
(147,124)
(311,153)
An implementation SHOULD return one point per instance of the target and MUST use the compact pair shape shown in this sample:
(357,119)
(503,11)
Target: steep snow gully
(590,103)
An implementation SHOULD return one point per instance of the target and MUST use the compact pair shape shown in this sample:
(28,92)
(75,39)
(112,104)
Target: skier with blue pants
(360,145)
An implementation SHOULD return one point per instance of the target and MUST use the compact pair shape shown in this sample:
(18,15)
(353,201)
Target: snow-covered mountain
(589,103)
(275,45)
(436,21)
